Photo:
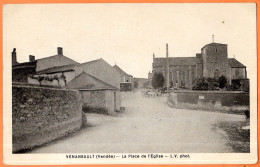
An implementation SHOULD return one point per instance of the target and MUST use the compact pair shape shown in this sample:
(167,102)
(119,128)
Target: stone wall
(40,115)
(212,100)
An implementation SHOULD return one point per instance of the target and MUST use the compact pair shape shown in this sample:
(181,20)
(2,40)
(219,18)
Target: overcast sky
(128,34)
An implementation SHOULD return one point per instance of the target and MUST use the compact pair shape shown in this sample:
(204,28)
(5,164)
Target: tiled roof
(176,61)
(232,62)
(118,69)
(91,62)
(54,56)
(83,82)
(58,69)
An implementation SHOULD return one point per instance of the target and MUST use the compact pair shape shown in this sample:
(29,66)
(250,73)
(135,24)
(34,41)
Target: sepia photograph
(130,83)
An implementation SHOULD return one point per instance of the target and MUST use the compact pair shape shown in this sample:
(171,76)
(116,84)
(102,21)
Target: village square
(197,104)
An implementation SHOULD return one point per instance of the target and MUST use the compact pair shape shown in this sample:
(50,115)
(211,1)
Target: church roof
(176,61)
(58,69)
(233,63)
(118,69)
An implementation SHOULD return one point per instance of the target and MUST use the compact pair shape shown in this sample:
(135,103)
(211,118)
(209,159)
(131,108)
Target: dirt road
(148,125)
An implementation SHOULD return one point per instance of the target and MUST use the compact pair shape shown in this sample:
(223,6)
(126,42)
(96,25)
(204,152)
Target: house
(212,62)
(126,80)
(61,75)
(97,81)
(53,61)
(97,95)
(58,70)
(21,71)
(101,70)
(55,76)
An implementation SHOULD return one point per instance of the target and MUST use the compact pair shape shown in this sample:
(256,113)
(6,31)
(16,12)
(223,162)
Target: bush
(206,84)
(222,81)
(200,84)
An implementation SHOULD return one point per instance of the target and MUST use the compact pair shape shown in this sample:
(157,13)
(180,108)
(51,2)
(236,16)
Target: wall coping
(210,92)
(39,87)
(97,89)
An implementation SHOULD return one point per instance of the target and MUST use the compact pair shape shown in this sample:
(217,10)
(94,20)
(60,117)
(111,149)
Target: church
(213,61)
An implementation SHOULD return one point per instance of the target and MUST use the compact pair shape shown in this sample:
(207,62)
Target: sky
(129,34)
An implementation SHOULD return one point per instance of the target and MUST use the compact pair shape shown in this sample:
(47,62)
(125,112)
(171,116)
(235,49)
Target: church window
(216,74)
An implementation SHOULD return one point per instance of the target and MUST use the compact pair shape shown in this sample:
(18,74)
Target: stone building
(97,95)
(126,81)
(212,62)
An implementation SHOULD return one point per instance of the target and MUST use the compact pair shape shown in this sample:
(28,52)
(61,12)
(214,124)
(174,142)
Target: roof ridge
(83,72)
(91,61)
(56,55)
(116,66)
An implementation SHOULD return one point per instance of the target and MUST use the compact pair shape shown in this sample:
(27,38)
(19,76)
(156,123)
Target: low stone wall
(210,100)
(40,115)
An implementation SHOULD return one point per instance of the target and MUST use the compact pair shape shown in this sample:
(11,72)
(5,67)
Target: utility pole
(167,69)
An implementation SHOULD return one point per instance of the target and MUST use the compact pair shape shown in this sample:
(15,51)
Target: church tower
(215,60)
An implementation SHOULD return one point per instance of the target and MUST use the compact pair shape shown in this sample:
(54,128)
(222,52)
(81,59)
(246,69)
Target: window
(216,74)
(216,50)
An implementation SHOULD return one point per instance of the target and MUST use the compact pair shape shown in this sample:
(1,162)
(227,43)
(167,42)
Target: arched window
(216,74)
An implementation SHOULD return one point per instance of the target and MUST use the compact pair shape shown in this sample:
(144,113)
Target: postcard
(130,83)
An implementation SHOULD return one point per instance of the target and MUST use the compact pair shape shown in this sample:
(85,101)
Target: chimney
(14,58)
(31,58)
(60,52)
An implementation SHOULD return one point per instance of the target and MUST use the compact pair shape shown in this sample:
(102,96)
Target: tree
(158,80)
(201,84)
(145,84)
(222,81)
